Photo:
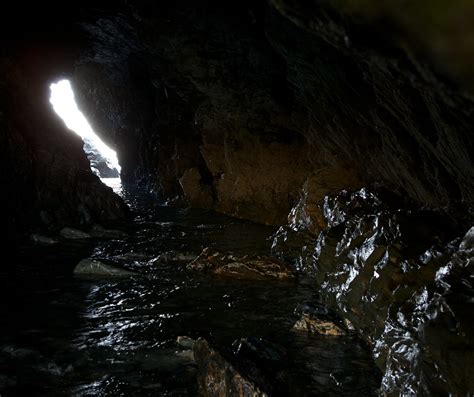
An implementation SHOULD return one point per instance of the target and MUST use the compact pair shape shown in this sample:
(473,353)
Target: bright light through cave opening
(64,104)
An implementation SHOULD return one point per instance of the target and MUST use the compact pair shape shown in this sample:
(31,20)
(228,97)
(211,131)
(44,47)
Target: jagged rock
(217,377)
(185,341)
(251,267)
(101,232)
(318,320)
(314,325)
(73,234)
(43,240)
(403,279)
(307,214)
(467,242)
(94,267)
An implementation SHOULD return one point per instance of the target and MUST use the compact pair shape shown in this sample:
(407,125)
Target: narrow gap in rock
(103,160)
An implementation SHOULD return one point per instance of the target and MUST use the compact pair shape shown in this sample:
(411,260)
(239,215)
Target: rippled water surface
(64,335)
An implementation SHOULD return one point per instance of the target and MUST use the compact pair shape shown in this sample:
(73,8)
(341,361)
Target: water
(64,335)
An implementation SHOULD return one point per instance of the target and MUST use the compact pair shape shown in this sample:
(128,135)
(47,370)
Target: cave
(260,198)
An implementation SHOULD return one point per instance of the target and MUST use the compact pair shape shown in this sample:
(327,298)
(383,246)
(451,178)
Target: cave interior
(313,157)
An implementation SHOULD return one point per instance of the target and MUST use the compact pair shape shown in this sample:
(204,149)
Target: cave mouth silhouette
(103,159)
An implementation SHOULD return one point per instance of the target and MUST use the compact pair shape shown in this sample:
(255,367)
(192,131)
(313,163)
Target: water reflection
(66,335)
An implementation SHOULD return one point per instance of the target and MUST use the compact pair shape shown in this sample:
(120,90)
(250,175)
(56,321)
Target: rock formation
(347,123)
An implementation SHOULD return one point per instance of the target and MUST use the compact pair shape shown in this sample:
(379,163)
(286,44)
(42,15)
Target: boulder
(185,342)
(248,267)
(43,240)
(217,377)
(100,232)
(73,234)
(318,320)
(173,257)
(94,267)
(314,325)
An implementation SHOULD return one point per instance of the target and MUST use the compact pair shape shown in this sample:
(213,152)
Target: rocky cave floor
(143,317)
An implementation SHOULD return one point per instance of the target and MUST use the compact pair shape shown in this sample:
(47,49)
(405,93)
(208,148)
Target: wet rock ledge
(404,278)
(247,267)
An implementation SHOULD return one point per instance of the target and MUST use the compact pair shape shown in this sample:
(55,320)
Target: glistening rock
(250,267)
(94,267)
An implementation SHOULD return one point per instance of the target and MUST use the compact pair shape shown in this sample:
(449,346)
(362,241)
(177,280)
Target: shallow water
(64,335)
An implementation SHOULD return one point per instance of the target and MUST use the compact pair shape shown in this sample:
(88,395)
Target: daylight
(62,99)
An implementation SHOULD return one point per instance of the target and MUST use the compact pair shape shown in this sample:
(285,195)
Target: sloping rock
(43,240)
(307,214)
(101,232)
(318,320)
(73,234)
(250,267)
(217,377)
(185,342)
(93,267)
(403,278)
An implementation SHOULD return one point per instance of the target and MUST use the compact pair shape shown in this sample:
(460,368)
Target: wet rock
(198,194)
(43,240)
(185,341)
(317,320)
(100,232)
(173,256)
(73,234)
(250,267)
(293,247)
(307,214)
(254,177)
(133,256)
(264,362)
(403,278)
(94,267)
(467,242)
(217,377)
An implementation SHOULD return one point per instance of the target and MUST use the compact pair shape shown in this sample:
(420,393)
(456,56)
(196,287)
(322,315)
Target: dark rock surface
(404,280)
(217,376)
(73,234)
(317,320)
(45,177)
(249,267)
(251,103)
(101,232)
(235,108)
(263,109)
(97,268)
(43,240)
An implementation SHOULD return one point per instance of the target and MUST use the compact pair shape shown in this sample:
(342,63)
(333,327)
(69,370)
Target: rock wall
(260,110)
(403,278)
(236,110)
(45,179)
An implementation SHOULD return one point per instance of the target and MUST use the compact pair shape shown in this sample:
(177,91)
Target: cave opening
(103,160)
